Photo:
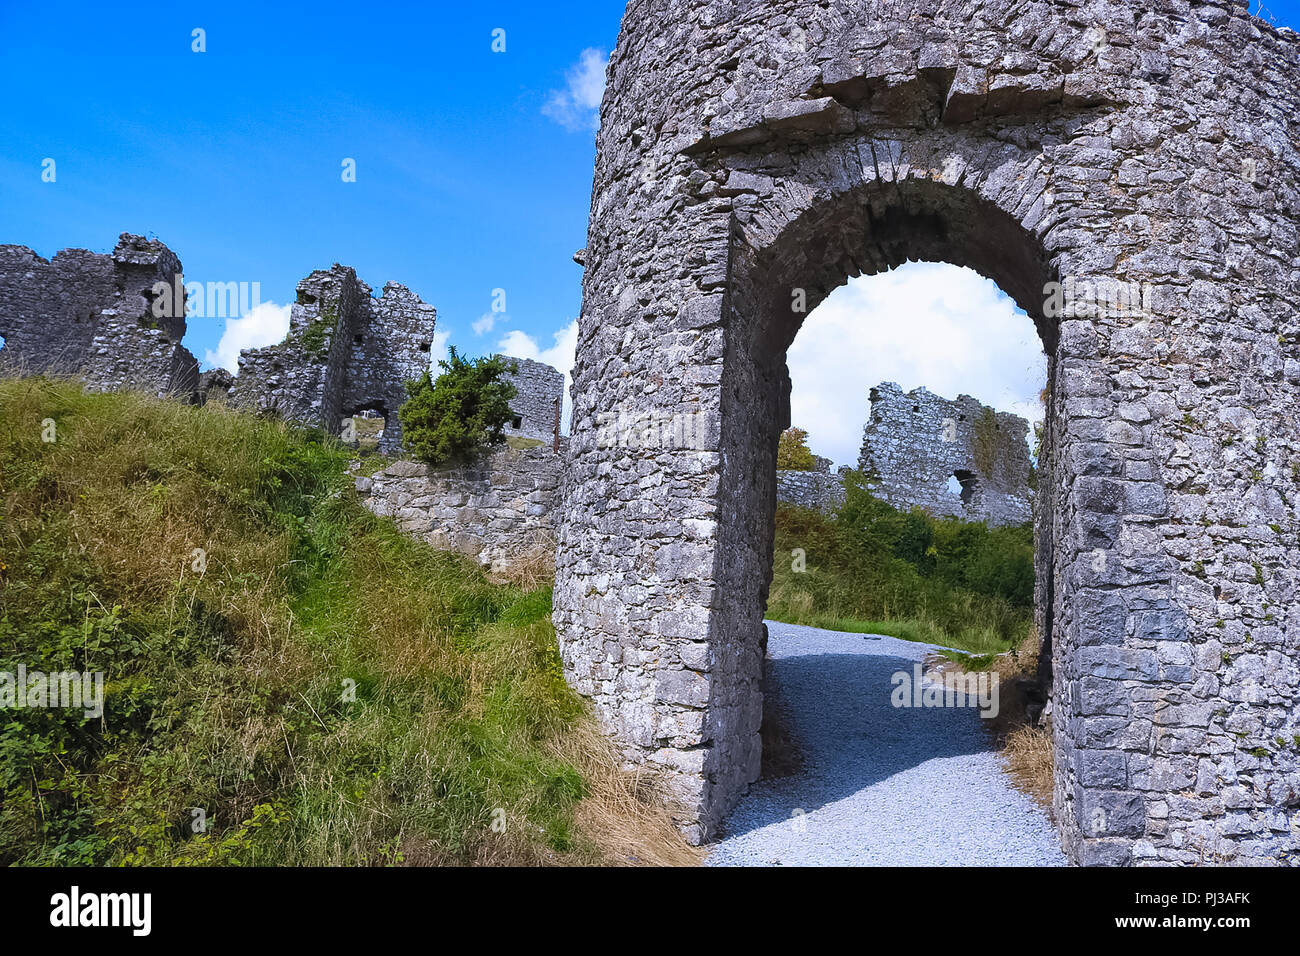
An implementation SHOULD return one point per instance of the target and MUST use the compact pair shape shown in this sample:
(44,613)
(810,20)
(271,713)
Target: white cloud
(930,324)
(577,106)
(266,324)
(438,352)
(486,322)
(560,355)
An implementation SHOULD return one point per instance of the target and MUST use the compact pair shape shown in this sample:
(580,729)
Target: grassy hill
(288,680)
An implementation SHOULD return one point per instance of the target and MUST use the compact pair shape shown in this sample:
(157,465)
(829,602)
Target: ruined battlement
(92,314)
(116,320)
(347,353)
(955,458)
(539,401)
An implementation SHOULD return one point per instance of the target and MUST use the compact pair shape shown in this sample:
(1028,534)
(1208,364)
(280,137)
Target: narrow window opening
(967,483)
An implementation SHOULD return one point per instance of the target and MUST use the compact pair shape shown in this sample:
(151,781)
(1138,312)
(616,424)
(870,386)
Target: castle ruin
(952,458)
(115,321)
(538,402)
(93,315)
(347,353)
(112,321)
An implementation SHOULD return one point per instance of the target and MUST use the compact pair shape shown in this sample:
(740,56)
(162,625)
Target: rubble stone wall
(495,510)
(346,352)
(539,400)
(92,315)
(915,442)
(751,157)
(821,490)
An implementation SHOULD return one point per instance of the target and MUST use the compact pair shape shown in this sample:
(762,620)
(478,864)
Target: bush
(793,453)
(464,411)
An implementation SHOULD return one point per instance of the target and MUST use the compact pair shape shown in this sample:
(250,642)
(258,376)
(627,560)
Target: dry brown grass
(623,816)
(1026,748)
(531,565)
(1027,753)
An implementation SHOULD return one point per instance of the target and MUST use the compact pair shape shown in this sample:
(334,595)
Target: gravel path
(880,785)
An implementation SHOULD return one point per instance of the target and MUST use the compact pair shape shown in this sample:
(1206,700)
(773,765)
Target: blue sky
(473,173)
(467,181)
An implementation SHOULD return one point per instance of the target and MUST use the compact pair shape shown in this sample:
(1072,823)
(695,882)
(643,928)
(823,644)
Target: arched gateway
(1128,174)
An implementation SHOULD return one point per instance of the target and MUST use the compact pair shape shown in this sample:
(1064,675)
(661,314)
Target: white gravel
(880,785)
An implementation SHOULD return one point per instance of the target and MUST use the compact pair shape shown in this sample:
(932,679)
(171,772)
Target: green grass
(874,569)
(320,689)
(519,442)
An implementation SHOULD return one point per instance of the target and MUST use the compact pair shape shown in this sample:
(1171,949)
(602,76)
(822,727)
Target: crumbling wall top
(951,457)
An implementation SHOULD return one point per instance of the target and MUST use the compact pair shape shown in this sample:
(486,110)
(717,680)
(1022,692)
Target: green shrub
(872,567)
(453,418)
(793,453)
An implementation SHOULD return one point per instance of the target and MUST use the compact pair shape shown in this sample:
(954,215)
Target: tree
(462,412)
(793,453)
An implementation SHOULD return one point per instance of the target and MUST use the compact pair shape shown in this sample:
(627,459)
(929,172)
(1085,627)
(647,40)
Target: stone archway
(750,159)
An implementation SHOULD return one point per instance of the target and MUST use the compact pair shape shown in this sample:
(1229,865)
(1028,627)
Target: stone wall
(538,402)
(751,157)
(346,352)
(93,315)
(916,442)
(495,510)
(821,490)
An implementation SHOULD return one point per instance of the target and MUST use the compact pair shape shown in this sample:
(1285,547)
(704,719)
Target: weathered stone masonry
(538,402)
(92,314)
(346,353)
(495,510)
(916,441)
(818,489)
(748,150)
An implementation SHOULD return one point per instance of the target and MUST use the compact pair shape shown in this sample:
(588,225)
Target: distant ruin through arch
(1129,176)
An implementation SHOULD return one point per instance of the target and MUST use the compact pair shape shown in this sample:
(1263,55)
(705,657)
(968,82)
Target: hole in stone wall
(967,484)
(962,336)
(517,422)
(356,340)
(367,427)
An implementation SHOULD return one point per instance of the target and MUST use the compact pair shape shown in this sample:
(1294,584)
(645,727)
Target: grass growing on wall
(874,569)
(288,679)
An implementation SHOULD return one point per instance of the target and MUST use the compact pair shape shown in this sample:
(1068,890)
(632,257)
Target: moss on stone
(985,441)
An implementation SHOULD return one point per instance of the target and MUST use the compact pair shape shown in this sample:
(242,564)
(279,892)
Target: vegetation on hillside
(454,417)
(288,680)
(873,568)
